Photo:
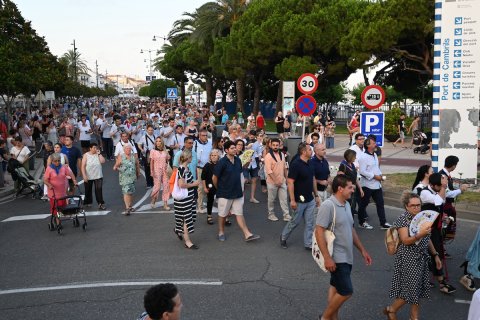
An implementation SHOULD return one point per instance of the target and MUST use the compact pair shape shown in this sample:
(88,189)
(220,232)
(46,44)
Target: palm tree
(75,64)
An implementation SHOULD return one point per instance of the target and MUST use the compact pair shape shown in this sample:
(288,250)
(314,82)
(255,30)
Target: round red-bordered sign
(306,105)
(373,97)
(307,83)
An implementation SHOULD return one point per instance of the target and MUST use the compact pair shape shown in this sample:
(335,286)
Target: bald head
(320,150)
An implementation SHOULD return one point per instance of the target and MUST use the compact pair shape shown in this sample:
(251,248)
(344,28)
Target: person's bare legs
(243,226)
(186,236)
(414,309)
(335,301)
(221,225)
(253,187)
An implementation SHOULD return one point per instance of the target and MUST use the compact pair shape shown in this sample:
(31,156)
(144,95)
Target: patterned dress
(159,174)
(127,174)
(185,210)
(410,280)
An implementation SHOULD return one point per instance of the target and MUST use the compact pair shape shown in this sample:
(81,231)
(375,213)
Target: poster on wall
(456,85)
(288,96)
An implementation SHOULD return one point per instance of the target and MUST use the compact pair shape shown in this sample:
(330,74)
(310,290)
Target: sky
(110,31)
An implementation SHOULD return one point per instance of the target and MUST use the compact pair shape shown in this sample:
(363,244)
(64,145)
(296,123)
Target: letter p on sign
(371,121)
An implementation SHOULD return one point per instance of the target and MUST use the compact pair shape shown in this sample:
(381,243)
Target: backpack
(392,240)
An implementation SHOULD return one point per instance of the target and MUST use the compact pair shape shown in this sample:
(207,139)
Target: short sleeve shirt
(229,184)
(73,154)
(321,169)
(302,174)
(343,243)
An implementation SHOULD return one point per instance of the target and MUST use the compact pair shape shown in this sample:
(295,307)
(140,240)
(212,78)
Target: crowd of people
(198,155)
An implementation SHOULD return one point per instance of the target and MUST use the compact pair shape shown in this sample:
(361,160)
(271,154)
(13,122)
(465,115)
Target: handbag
(329,238)
(179,193)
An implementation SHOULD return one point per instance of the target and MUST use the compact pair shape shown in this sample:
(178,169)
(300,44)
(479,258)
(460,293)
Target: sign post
(306,104)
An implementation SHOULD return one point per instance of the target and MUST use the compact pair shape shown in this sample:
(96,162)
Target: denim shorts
(250,173)
(340,279)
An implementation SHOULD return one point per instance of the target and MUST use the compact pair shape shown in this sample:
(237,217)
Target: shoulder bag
(179,193)
(329,238)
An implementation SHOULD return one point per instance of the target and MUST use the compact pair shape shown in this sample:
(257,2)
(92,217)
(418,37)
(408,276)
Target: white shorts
(226,206)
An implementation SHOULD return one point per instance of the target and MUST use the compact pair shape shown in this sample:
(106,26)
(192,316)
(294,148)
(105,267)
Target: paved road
(107,269)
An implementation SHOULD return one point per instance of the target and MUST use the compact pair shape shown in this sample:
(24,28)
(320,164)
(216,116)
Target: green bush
(391,118)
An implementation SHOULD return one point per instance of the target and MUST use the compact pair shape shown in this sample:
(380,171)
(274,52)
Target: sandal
(390,314)
(209,220)
(180,237)
(102,207)
(166,207)
(131,209)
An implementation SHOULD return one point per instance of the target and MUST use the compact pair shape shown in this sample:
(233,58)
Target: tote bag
(329,238)
(179,193)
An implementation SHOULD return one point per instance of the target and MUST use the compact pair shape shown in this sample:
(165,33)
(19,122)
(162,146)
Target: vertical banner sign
(456,85)
(288,96)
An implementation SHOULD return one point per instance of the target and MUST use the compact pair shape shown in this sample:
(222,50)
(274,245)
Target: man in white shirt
(370,179)
(203,147)
(116,130)
(179,139)
(124,139)
(358,147)
(146,144)
(106,138)
(20,152)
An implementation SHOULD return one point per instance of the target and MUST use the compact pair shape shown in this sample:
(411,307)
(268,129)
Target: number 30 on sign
(307,83)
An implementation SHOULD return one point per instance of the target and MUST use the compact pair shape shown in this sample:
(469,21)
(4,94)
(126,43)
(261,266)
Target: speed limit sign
(307,83)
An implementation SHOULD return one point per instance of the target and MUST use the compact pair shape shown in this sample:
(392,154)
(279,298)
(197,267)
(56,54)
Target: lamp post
(150,61)
(74,60)
(160,37)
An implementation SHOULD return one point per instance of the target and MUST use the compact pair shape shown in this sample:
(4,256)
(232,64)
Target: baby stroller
(67,208)
(421,140)
(28,185)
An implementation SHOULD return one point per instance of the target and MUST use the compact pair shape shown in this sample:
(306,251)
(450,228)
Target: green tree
(26,63)
(158,88)
(75,64)
(144,91)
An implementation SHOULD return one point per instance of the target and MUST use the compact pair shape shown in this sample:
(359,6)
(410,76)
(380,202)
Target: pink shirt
(58,181)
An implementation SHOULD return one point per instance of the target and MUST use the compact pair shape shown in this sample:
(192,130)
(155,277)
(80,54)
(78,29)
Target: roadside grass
(404,181)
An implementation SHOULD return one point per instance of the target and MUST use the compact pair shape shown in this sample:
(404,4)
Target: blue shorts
(250,173)
(340,279)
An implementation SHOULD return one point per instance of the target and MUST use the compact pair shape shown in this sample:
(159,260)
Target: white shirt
(203,152)
(105,128)
(119,147)
(147,142)
(451,193)
(368,168)
(84,131)
(115,133)
(431,197)
(359,152)
(168,134)
(180,140)
(20,155)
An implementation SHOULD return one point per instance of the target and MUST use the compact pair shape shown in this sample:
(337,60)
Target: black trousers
(210,199)
(377,196)
(98,191)
(108,147)
(148,174)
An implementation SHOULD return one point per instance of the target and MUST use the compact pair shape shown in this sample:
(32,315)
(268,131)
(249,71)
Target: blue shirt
(192,166)
(73,154)
(224,118)
(229,185)
(321,170)
(302,173)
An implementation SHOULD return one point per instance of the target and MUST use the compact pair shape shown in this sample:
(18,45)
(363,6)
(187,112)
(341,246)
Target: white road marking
(44,216)
(114,284)
(27,217)
(462,301)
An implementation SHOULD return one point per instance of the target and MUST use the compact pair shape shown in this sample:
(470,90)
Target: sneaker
(385,226)
(254,200)
(468,282)
(202,210)
(272,217)
(287,218)
(446,288)
(365,225)
(221,237)
(283,243)
(44,198)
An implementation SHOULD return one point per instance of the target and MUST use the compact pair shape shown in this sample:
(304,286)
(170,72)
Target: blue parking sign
(373,123)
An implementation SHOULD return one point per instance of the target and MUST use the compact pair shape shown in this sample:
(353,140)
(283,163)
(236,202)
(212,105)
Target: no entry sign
(306,105)
(373,97)
(307,83)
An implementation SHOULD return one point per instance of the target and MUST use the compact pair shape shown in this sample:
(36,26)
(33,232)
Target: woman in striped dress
(185,209)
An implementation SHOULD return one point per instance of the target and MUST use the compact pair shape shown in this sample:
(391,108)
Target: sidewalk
(9,190)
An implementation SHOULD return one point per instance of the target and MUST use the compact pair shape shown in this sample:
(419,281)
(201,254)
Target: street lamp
(161,37)
(149,59)
(74,60)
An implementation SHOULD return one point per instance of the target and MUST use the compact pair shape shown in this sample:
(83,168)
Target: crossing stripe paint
(43,216)
(113,284)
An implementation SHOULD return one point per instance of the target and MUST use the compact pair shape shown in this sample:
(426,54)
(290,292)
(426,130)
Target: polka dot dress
(410,280)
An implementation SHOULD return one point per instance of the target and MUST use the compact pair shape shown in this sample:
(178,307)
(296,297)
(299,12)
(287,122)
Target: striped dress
(185,210)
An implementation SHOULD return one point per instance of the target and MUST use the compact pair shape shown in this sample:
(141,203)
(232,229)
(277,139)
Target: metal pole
(303,129)
(96,71)
(75,60)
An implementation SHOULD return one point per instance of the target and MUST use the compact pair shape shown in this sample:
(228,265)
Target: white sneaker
(254,200)
(202,210)
(287,218)
(45,197)
(365,225)
(272,217)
